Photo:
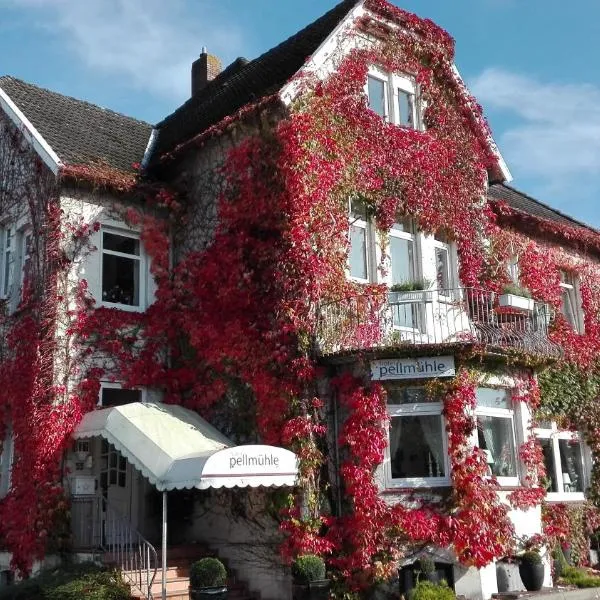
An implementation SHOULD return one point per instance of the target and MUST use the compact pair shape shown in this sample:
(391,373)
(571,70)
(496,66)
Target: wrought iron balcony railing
(451,316)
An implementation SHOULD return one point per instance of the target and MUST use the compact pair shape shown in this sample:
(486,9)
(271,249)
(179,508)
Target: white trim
(149,148)
(40,145)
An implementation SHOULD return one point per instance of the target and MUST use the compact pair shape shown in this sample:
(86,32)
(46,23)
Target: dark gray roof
(79,132)
(246,82)
(516,199)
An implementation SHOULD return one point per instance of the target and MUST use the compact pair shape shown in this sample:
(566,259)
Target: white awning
(175,448)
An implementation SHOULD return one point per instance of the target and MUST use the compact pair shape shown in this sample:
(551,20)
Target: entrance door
(116,488)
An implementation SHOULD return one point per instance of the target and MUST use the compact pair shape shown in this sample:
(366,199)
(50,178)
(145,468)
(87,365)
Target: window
(113,467)
(496,433)
(513,269)
(7,265)
(563,459)
(6,461)
(393,98)
(443,264)
(571,307)
(403,270)
(358,256)
(417,440)
(114,395)
(25,263)
(121,269)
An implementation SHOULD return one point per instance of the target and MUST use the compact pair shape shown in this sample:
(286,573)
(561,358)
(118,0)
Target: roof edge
(33,136)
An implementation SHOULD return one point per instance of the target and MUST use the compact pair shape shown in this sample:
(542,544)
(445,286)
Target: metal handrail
(98,525)
(435,317)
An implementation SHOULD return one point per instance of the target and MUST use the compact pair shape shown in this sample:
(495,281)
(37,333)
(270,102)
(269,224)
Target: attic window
(393,98)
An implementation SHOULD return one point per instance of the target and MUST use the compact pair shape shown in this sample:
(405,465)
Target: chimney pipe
(204,69)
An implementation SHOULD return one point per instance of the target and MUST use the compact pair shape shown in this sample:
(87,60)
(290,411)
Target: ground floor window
(564,459)
(496,432)
(418,452)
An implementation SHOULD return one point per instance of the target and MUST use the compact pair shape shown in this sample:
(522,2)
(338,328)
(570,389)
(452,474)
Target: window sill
(124,307)
(565,497)
(417,483)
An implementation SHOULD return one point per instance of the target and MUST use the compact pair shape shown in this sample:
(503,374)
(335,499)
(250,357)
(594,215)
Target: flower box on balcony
(514,301)
(410,297)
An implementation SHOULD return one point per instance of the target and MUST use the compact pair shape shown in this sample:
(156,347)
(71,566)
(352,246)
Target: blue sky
(531,63)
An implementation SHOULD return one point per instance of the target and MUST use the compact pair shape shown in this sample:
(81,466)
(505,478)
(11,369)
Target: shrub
(531,557)
(426,590)
(516,290)
(72,582)
(579,578)
(208,572)
(308,568)
(413,285)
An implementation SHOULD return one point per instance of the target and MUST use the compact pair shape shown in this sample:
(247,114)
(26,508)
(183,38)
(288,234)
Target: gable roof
(248,81)
(524,203)
(80,133)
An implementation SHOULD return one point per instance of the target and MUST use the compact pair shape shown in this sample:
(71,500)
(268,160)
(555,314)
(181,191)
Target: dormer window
(392,97)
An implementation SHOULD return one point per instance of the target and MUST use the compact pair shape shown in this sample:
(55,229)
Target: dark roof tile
(516,199)
(79,132)
(244,83)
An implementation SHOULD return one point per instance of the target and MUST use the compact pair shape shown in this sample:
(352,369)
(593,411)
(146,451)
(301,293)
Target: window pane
(121,243)
(403,225)
(377,96)
(118,396)
(402,259)
(120,280)
(496,438)
(358,252)
(442,265)
(571,464)
(416,447)
(405,109)
(407,395)
(548,449)
(568,306)
(491,398)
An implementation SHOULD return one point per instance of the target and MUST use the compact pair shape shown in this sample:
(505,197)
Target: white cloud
(150,43)
(552,136)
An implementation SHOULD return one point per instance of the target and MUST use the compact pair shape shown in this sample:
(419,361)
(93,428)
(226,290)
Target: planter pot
(315,590)
(208,593)
(513,301)
(412,297)
(532,576)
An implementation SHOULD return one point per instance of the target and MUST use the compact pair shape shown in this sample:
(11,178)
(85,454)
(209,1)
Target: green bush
(208,572)
(426,590)
(308,568)
(579,578)
(531,557)
(73,582)
(426,565)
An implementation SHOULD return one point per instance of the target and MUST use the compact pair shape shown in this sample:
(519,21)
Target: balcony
(435,317)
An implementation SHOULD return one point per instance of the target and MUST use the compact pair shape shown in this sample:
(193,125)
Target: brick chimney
(204,69)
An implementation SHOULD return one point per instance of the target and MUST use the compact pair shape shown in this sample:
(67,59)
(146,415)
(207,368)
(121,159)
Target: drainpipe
(164,545)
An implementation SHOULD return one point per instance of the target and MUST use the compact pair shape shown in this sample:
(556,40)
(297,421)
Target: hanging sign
(413,368)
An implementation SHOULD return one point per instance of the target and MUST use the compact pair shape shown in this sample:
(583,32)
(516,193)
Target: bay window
(122,269)
(570,302)
(418,453)
(495,433)
(393,98)
(564,459)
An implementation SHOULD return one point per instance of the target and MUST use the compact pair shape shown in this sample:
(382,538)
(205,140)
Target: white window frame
(112,385)
(141,306)
(369,258)
(502,413)
(449,248)
(412,410)
(392,84)
(571,285)
(7,457)
(554,434)
(7,256)
(24,254)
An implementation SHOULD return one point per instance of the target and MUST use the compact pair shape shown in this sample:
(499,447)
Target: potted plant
(426,590)
(515,296)
(531,570)
(309,583)
(408,291)
(208,580)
